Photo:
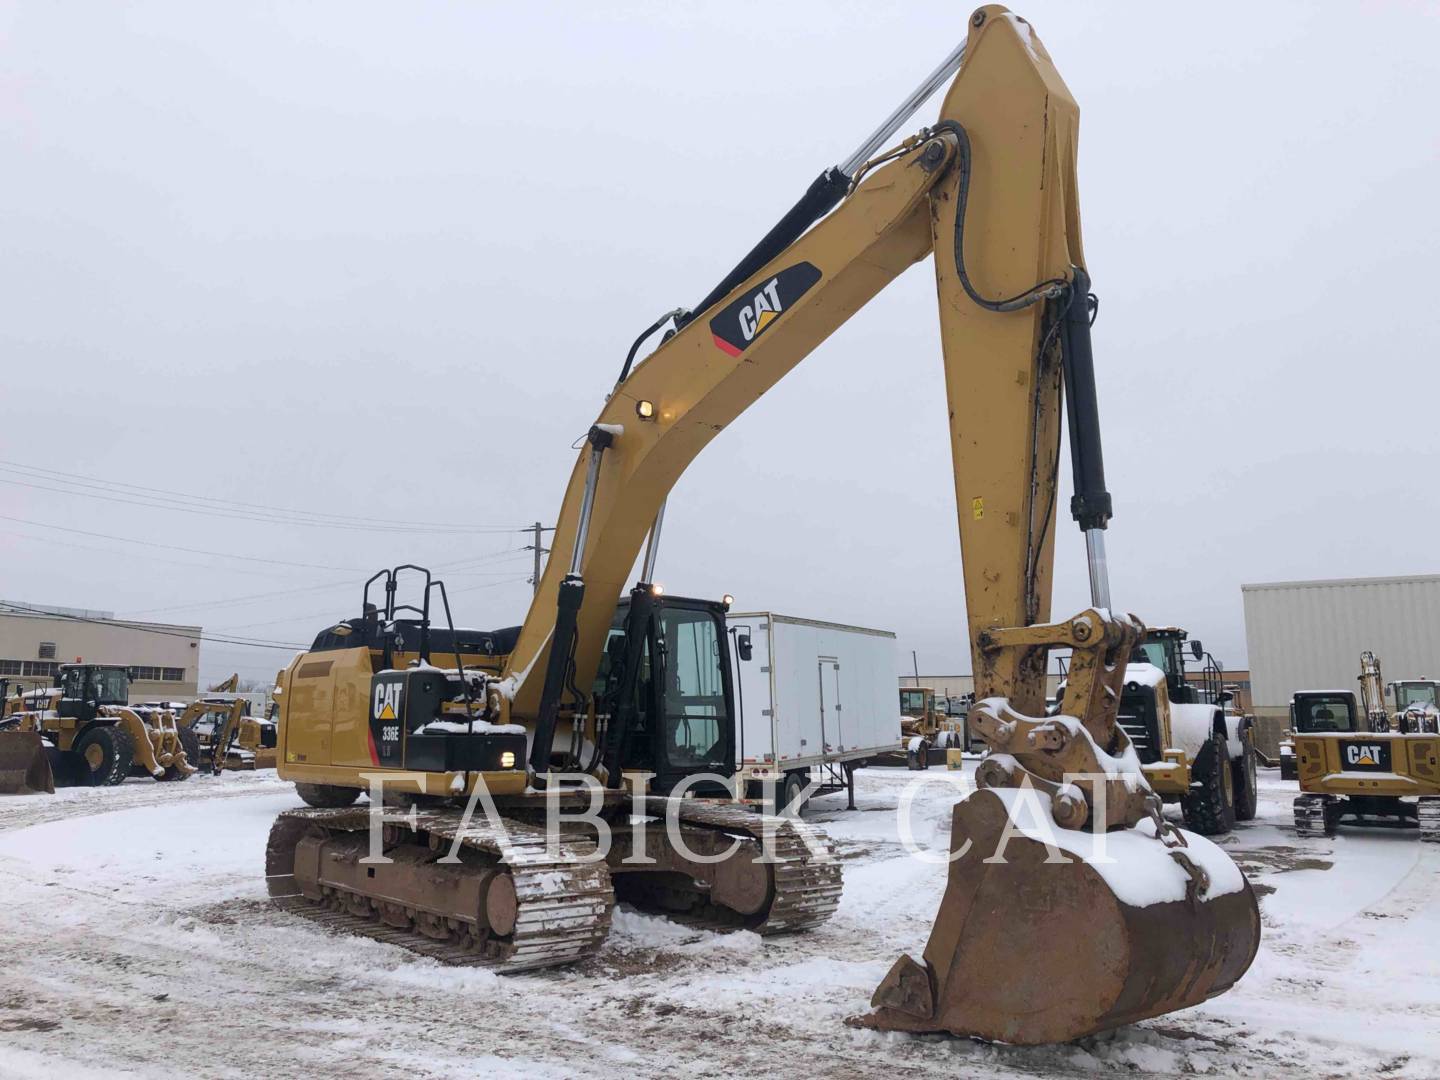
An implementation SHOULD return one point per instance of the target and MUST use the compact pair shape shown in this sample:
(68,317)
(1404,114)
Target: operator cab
(912,701)
(1415,693)
(85,687)
(667,692)
(1164,649)
(1316,711)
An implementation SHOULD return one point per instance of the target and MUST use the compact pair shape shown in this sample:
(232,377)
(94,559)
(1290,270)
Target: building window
(44,668)
(9,667)
(145,674)
(173,674)
(47,650)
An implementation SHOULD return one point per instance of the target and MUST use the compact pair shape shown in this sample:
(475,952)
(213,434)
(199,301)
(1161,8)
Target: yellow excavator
(1072,904)
(222,731)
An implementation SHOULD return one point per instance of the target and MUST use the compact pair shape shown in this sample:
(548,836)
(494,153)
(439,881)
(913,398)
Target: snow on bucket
(1044,937)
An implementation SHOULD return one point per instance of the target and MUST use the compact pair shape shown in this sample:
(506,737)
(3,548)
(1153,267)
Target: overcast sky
(382,261)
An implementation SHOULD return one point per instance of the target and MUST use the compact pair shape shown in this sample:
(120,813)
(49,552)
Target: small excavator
(1042,936)
(1358,764)
(221,733)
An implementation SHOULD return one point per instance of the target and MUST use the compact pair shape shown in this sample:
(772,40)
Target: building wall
(1308,635)
(168,655)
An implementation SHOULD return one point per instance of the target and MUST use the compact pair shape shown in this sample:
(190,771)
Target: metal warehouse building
(165,657)
(1308,635)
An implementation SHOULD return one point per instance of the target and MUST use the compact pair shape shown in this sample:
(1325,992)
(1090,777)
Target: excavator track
(1429,814)
(562,904)
(806,882)
(1313,816)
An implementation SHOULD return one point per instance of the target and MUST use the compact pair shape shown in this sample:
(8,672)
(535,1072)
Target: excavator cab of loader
(86,687)
(1324,710)
(665,691)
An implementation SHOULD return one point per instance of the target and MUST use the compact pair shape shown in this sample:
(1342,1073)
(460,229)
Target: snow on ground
(136,941)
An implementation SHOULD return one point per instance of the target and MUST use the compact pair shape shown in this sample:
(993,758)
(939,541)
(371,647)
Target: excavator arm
(991,191)
(1021,952)
(1005,147)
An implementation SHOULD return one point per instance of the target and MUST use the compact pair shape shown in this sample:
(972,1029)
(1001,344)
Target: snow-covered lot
(136,940)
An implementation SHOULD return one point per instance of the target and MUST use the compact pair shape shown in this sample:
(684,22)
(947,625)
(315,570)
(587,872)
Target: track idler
(1034,945)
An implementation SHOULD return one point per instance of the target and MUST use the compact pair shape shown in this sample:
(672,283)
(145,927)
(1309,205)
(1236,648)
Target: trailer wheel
(1247,794)
(1209,808)
(326,796)
(108,753)
(794,784)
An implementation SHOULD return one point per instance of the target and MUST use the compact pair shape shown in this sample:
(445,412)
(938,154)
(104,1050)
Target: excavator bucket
(1037,944)
(24,764)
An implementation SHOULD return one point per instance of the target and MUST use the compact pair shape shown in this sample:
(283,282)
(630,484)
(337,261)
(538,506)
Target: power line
(327,614)
(265,519)
(176,547)
(252,643)
(57,542)
(228,506)
(349,583)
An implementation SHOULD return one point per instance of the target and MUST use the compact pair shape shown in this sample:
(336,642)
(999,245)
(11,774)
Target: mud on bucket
(1044,947)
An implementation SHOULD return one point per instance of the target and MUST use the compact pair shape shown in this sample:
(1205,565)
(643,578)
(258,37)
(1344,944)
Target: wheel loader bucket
(69,768)
(1032,951)
(24,765)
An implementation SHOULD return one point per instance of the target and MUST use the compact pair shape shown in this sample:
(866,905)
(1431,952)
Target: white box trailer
(816,700)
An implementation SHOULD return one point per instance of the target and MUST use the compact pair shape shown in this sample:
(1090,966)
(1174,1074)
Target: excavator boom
(1025,949)
(990,190)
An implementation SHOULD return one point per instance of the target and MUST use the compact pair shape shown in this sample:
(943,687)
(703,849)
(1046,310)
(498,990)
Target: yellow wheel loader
(87,733)
(1194,753)
(1132,918)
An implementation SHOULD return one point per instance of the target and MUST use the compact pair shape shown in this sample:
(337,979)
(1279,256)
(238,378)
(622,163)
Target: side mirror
(1226,695)
(133,674)
(743,646)
(343,629)
(1197,650)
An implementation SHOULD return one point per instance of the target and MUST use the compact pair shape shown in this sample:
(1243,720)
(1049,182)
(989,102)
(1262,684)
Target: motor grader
(927,731)
(82,731)
(1026,948)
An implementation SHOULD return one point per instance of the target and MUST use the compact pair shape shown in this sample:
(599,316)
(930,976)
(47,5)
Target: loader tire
(326,796)
(1210,807)
(109,754)
(1247,794)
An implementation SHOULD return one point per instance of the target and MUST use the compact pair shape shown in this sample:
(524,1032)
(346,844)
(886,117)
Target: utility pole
(539,550)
